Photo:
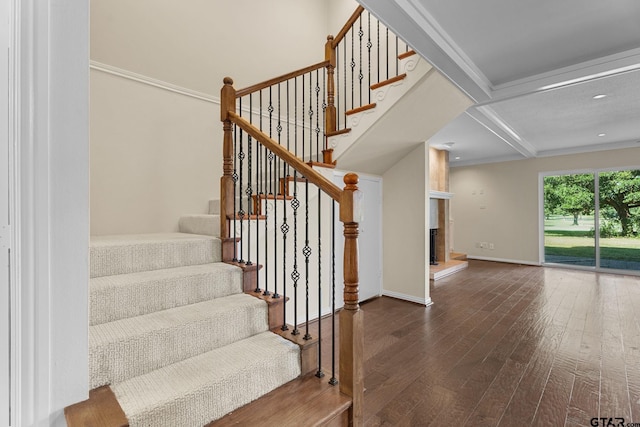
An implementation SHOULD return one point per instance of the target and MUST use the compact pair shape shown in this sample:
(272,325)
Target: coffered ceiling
(533,68)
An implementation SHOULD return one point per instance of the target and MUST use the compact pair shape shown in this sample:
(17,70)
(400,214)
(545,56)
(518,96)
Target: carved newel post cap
(330,37)
(228,81)
(351,179)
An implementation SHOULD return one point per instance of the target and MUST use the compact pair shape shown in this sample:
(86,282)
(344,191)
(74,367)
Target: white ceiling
(532,67)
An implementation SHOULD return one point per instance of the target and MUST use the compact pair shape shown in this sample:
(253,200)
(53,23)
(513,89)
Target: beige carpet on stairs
(173,334)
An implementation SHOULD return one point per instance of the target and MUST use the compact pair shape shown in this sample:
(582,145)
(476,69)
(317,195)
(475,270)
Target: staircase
(172,332)
(185,330)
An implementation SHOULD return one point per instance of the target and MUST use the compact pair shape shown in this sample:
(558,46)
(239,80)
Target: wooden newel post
(227,105)
(351,321)
(330,112)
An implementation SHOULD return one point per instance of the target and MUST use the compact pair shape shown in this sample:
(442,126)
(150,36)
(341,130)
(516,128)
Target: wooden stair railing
(351,340)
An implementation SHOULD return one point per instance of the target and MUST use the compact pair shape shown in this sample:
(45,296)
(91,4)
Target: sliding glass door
(593,219)
(619,224)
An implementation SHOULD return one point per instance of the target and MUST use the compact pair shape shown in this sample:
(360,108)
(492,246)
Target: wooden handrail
(280,79)
(313,176)
(345,29)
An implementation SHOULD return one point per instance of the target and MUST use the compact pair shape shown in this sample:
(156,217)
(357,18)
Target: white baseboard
(422,301)
(509,261)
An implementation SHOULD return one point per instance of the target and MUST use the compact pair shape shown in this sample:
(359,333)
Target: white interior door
(370,239)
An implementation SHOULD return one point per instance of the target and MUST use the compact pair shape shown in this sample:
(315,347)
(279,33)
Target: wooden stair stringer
(384,95)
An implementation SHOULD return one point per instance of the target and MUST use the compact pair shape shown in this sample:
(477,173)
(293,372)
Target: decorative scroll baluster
(295,275)
(306,251)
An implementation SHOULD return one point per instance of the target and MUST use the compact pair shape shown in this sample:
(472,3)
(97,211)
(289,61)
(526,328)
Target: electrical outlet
(483,245)
(491,246)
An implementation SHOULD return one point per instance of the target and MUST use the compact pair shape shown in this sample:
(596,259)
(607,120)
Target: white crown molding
(130,75)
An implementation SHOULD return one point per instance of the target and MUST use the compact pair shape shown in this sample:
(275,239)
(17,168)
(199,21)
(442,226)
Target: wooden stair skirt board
(101,409)
(445,269)
(306,401)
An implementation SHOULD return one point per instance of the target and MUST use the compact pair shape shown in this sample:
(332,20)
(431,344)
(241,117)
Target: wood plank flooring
(506,345)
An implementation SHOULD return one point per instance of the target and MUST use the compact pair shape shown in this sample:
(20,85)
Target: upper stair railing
(364,54)
(278,213)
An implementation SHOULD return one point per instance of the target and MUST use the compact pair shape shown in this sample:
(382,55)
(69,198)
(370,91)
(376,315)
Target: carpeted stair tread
(130,347)
(128,295)
(208,225)
(201,389)
(122,254)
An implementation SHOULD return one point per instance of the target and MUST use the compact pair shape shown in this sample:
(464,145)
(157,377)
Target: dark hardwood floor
(506,345)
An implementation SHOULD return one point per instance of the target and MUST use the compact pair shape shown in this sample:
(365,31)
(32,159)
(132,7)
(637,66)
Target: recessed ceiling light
(457,157)
(601,134)
(599,96)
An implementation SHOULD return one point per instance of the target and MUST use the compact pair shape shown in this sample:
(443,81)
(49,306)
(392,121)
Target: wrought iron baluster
(378,47)
(306,251)
(387,49)
(337,89)
(317,116)
(240,196)
(285,227)
(369,46)
(333,380)
(319,373)
(235,185)
(310,112)
(397,60)
(249,190)
(295,274)
(360,74)
(353,68)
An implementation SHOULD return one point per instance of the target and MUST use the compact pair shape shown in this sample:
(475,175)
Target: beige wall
(405,216)
(499,203)
(155,154)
